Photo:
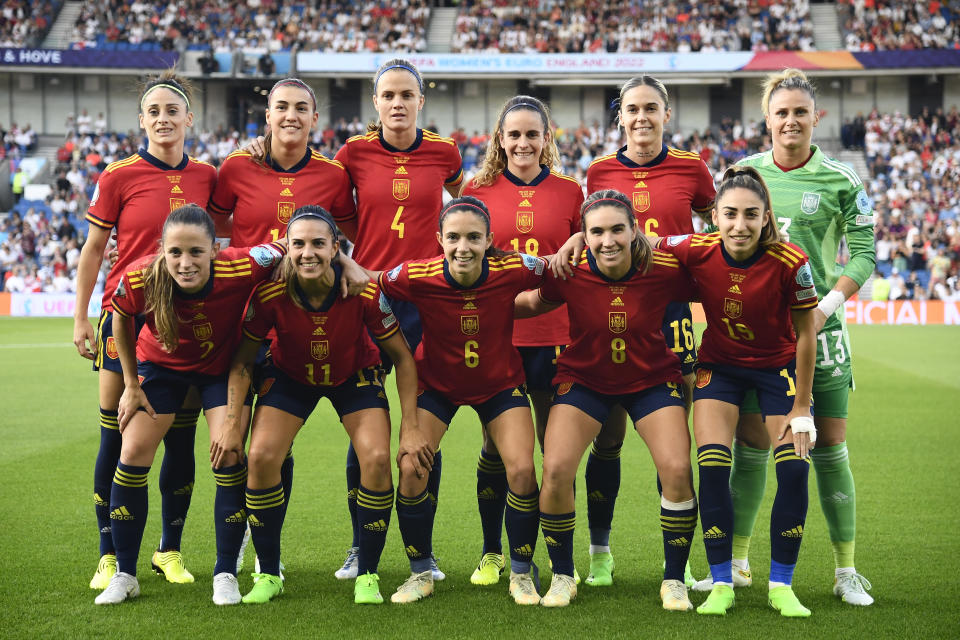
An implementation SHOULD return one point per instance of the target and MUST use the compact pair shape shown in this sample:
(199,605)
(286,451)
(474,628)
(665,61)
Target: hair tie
(165,85)
(471,206)
(294,82)
(601,200)
(399,66)
(315,214)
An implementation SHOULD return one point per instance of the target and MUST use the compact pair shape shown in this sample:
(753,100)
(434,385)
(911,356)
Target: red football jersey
(209,320)
(616,345)
(399,195)
(466,353)
(262,199)
(135,195)
(322,346)
(748,303)
(663,191)
(535,218)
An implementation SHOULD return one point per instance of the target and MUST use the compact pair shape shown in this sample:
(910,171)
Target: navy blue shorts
(677,330)
(638,404)
(408,316)
(438,404)
(166,388)
(362,390)
(107,357)
(776,388)
(540,366)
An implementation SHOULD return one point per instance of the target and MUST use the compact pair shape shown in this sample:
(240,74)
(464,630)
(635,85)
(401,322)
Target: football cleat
(601,569)
(718,602)
(256,568)
(265,588)
(742,577)
(438,575)
(673,594)
(849,587)
(349,569)
(562,590)
(489,570)
(106,568)
(226,590)
(785,601)
(169,564)
(522,588)
(366,590)
(123,586)
(417,587)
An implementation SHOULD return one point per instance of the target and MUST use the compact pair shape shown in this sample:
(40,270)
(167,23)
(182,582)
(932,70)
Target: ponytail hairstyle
(640,249)
(495,160)
(158,284)
(477,208)
(288,270)
(286,82)
(167,79)
(394,63)
(640,81)
(786,79)
(741,177)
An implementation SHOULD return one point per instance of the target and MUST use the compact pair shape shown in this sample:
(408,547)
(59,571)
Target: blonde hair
(741,177)
(495,160)
(786,79)
(158,284)
(641,81)
(641,251)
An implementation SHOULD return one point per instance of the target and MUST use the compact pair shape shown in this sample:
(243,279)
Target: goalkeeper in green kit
(816,201)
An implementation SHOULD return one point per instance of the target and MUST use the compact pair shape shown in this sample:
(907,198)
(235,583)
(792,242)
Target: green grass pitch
(903,442)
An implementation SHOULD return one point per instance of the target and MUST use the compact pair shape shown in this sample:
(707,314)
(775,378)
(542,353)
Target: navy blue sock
(716,509)
(433,480)
(265,516)
(286,478)
(353,485)
(491,499)
(678,521)
(107,458)
(177,475)
(522,517)
(128,513)
(558,536)
(603,484)
(373,514)
(230,515)
(415,517)
(789,511)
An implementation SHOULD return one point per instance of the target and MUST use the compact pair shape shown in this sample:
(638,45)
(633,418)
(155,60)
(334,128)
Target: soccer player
(816,201)
(758,295)
(666,187)
(192,297)
(617,356)
(342,364)
(533,209)
(399,172)
(465,298)
(134,196)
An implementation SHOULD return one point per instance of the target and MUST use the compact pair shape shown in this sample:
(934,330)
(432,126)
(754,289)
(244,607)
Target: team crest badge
(641,201)
(564,388)
(618,321)
(112,352)
(524,221)
(176,203)
(320,349)
(470,325)
(203,331)
(732,308)
(703,377)
(810,202)
(285,211)
(401,188)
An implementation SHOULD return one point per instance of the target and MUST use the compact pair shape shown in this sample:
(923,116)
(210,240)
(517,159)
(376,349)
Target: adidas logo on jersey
(616,302)
(679,542)
(735,289)
(239,516)
(550,541)
(287,193)
(796,532)
(401,171)
(487,494)
(524,550)
(378,527)
(714,532)
(688,359)
(596,496)
(836,373)
(838,497)
(674,394)
(524,203)
(517,393)
(121,513)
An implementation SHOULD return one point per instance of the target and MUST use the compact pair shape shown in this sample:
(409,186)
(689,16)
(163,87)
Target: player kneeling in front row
(758,296)
(321,349)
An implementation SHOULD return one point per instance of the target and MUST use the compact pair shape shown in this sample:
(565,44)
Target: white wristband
(831,302)
(803,424)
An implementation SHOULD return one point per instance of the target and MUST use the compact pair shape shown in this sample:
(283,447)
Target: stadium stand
(868,25)
(24,24)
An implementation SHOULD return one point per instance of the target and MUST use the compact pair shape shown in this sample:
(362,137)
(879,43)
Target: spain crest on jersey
(401,188)
(112,352)
(810,202)
(176,203)
(732,308)
(618,321)
(203,331)
(524,221)
(285,211)
(641,201)
(320,349)
(470,325)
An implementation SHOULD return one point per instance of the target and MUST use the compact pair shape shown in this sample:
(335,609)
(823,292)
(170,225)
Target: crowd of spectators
(270,25)
(620,26)
(868,25)
(24,23)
